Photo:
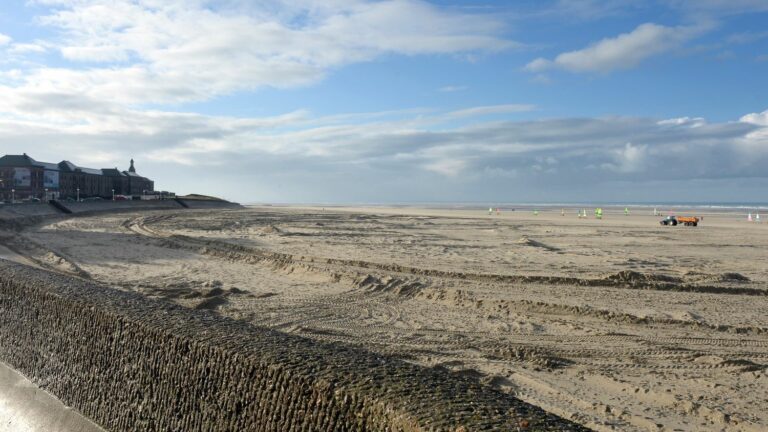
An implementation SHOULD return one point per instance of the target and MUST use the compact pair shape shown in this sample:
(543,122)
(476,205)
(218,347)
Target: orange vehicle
(688,220)
(683,220)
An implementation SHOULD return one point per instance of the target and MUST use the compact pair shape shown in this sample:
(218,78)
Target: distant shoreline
(700,208)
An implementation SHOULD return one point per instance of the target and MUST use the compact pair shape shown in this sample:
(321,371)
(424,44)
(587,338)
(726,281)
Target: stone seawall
(117,206)
(16,216)
(134,364)
(209,204)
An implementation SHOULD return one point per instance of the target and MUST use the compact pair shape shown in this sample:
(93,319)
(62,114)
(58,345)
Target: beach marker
(749,217)
(490,211)
(757,217)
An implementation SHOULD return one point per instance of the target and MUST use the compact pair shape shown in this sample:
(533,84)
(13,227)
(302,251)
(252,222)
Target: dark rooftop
(18,161)
(65,166)
(112,172)
(68,166)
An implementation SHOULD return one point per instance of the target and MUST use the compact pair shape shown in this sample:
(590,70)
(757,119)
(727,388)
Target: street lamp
(78,194)
(13,196)
(46,194)
(113,194)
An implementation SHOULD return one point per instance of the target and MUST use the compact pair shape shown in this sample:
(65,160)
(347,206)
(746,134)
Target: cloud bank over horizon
(98,82)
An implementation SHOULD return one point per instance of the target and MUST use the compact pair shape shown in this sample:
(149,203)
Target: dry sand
(618,324)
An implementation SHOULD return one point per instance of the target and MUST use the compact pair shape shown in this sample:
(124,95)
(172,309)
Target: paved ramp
(26,408)
(9,255)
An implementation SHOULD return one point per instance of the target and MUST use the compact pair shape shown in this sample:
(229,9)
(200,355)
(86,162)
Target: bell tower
(132,168)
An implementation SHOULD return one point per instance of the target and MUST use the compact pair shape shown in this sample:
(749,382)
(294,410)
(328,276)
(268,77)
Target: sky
(397,101)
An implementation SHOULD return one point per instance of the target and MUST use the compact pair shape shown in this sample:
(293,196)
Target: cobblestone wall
(134,364)
(116,206)
(208,204)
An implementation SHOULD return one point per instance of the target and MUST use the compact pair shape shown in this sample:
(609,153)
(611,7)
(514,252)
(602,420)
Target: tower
(132,169)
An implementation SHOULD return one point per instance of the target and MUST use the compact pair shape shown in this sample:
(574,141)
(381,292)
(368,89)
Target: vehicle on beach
(683,220)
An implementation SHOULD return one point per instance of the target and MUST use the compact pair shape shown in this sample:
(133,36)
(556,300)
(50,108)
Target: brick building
(22,177)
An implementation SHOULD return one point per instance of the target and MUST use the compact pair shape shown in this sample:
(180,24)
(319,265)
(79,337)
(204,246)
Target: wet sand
(618,324)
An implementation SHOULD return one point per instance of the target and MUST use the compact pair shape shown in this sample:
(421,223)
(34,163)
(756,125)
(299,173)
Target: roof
(93,171)
(49,166)
(26,161)
(65,166)
(112,172)
(18,161)
(133,175)
(68,166)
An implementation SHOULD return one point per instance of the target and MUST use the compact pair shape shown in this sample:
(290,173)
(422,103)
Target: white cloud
(621,52)
(5,39)
(23,48)
(684,121)
(629,159)
(401,146)
(186,50)
(447,167)
(760,119)
(384,155)
(539,64)
(491,109)
(756,142)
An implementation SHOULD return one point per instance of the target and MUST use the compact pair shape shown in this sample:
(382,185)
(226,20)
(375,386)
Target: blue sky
(397,101)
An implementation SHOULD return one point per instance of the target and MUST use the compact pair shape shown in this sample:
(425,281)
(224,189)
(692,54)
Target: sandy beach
(617,324)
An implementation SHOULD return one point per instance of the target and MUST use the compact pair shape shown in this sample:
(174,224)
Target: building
(87,181)
(24,178)
(138,185)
